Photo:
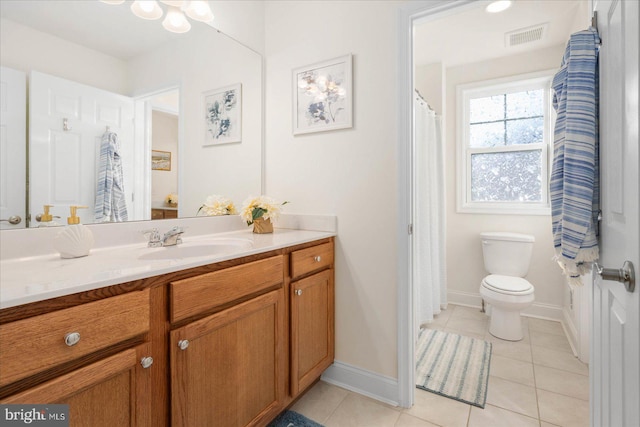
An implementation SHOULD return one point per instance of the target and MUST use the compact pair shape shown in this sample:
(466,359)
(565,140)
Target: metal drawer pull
(146,362)
(625,275)
(183,344)
(317,258)
(72,339)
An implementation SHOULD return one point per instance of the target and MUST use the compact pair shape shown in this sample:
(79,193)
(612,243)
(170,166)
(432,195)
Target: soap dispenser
(76,240)
(46,219)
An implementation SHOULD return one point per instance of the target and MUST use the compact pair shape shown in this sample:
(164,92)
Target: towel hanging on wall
(574,186)
(110,198)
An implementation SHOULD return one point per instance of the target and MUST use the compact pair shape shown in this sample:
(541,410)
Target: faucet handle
(154,237)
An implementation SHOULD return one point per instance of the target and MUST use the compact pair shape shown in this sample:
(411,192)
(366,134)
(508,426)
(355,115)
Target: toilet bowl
(507,296)
(506,258)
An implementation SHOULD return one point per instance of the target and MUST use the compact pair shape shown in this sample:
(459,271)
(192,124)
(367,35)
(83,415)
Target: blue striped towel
(574,182)
(110,203)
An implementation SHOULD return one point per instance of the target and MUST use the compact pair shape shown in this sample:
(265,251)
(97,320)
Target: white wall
(26,49)
(350,173)
(430,82)
(242,20)
(198,65)
(465,267)
(165,138)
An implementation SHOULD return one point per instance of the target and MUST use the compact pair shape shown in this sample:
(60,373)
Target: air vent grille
(525,35)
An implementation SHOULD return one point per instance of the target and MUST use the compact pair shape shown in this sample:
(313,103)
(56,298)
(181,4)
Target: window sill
(506,209)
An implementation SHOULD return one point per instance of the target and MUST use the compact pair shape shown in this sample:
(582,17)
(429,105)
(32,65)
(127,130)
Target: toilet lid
(507,283)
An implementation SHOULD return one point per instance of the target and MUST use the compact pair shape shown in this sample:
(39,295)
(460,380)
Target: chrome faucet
(173,237)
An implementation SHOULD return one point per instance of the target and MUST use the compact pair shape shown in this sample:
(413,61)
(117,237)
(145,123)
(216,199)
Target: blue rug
(293,419)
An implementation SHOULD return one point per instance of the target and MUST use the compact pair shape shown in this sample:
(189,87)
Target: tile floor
(535,382)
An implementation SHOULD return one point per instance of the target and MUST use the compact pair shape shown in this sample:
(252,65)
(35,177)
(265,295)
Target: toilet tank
(508,254)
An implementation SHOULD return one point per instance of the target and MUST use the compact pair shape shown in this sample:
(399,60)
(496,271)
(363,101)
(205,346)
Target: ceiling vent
(525,35)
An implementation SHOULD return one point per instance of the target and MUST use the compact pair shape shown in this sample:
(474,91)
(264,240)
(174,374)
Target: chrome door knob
(625,275)
(13,219)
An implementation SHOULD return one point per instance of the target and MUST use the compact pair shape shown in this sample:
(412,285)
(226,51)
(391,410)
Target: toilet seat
(508,285)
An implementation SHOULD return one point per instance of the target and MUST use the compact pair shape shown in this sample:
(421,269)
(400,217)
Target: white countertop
(30,279)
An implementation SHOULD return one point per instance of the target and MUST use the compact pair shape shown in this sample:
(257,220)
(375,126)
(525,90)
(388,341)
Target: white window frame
(487,88)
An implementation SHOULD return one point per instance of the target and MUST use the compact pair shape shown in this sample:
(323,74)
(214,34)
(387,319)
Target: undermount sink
(198,248)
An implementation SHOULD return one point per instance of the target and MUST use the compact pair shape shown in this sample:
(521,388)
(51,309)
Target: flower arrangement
(171,199)
(260,207)
(216,205)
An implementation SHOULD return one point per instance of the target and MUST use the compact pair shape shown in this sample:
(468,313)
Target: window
(503,145)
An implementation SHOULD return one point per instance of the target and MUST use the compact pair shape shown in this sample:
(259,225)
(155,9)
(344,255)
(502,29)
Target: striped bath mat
(453,366)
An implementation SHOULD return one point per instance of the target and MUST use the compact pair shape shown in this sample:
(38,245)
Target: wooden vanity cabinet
(312,315)
(228,368)
(87,356)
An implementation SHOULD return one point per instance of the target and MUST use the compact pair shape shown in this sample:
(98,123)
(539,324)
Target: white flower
(216,205)
(260,207)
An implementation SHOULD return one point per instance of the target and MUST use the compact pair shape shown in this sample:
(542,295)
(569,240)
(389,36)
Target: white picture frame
(222,111)
(323,96)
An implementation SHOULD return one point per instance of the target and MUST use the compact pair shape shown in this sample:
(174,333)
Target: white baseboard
(570,331)
(539,310)
(367,383)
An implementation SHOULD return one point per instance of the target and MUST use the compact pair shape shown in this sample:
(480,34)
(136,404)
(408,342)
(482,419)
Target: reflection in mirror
(88,66)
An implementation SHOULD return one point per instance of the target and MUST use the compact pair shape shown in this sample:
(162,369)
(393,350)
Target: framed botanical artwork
(223,115)
(160,160)
(323,96)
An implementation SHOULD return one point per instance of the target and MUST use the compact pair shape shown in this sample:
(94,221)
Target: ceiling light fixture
(146,9)
(175,21)
(498,6)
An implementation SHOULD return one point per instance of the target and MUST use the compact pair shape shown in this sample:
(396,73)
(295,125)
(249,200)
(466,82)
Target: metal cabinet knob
(298,292)
(317,258)
(13,219)
(183,344)
(146,362)
(625,275)
(72,338)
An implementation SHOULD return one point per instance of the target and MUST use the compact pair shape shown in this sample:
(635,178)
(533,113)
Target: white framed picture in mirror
(223,115)
(322,96)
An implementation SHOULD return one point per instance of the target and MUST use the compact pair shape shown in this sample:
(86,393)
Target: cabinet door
(312,329)
(112,392)
(228,368)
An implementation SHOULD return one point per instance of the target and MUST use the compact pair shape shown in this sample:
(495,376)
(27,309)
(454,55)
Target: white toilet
(506,258)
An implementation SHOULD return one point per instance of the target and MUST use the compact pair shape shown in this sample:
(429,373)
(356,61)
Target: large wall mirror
(185,109)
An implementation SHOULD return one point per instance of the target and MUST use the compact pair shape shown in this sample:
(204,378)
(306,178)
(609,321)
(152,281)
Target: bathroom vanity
(229,339)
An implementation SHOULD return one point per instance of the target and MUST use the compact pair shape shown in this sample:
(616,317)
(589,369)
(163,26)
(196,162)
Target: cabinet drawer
(311,259)
(195,295)
(36,344)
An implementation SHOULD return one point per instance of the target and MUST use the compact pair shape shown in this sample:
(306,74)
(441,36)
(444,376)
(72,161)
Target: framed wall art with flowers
(223,115)
(323,96)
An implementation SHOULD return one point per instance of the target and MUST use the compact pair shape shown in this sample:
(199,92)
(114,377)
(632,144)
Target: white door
(66,124)
(615,351)
(13,148)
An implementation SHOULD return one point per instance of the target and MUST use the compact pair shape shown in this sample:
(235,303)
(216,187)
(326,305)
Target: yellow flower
(260,207)
(218,205)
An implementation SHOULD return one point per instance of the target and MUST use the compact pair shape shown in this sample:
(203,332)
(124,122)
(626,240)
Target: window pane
(525,131)
(486,109)
(507,177)
(486,135)
(525,104)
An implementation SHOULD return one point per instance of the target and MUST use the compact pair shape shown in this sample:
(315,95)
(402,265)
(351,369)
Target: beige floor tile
(462,312)
(562,382)
(559,360)
(512,396)
(562,410)
(546,326)
(474,326)
(514,350)
(554,342)
(492,416)
(546,424)
(512,370)
(442,317)
(320,401)
(439,410)
(407,420)
(359,411)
